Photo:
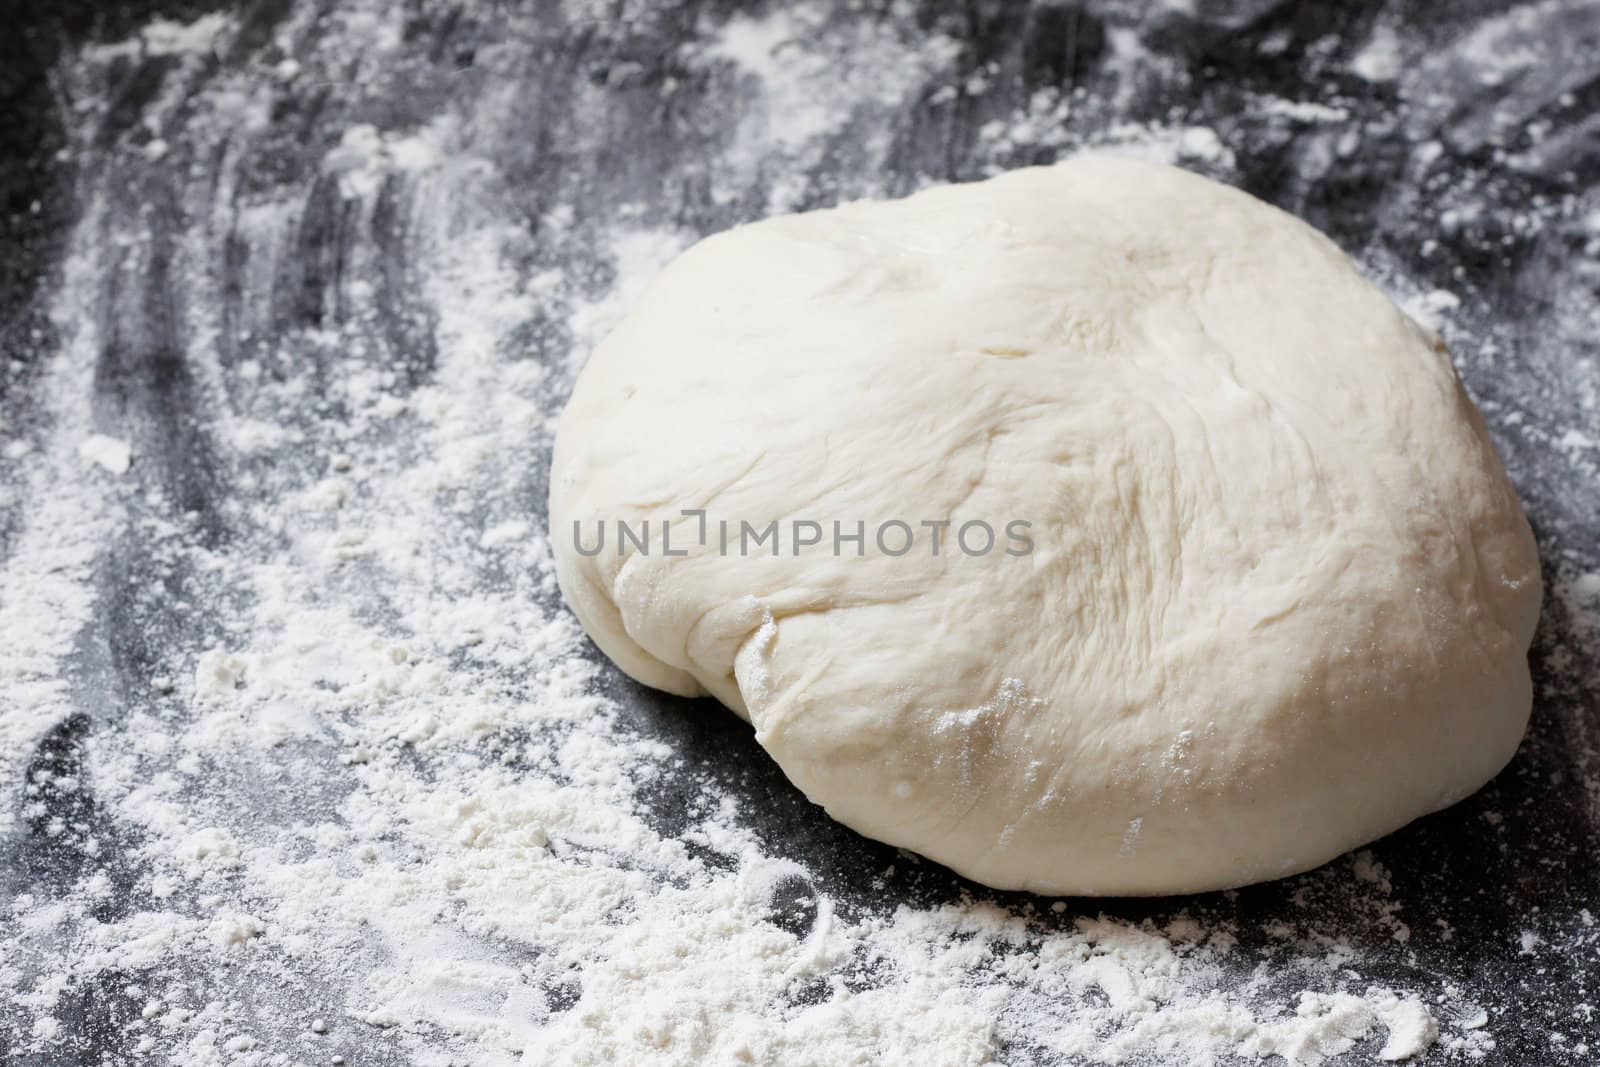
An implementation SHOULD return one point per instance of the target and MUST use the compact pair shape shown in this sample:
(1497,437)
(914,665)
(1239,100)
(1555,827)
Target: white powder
(1411,1030)
(107,453)
(1380,58)
(380,797)
(46,578)
(164,37)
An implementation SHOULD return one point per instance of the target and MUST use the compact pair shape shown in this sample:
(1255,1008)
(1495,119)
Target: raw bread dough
(1281,591)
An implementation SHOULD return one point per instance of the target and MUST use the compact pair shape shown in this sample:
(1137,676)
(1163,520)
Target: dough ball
(1278,593)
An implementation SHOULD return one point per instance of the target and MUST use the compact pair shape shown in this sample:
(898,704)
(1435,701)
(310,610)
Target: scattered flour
(377,793)
(107,453)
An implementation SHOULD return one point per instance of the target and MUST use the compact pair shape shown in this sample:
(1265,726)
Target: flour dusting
(335,778)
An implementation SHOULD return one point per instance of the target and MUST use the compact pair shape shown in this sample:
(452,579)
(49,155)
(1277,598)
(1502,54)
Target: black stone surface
(1521,855)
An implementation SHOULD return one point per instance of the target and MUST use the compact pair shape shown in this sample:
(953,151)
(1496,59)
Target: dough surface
(1280,591)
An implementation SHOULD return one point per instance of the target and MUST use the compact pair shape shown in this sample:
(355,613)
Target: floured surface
(305,760)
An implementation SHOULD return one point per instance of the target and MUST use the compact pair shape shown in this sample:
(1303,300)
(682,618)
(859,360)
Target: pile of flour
(364,794)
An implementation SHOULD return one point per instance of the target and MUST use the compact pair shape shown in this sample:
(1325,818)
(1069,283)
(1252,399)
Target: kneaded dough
(1280,591)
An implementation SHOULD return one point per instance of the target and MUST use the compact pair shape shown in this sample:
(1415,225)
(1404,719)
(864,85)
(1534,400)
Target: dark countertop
(1452,148)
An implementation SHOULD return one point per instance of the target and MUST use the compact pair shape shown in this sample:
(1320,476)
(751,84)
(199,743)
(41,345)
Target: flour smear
(361,791)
